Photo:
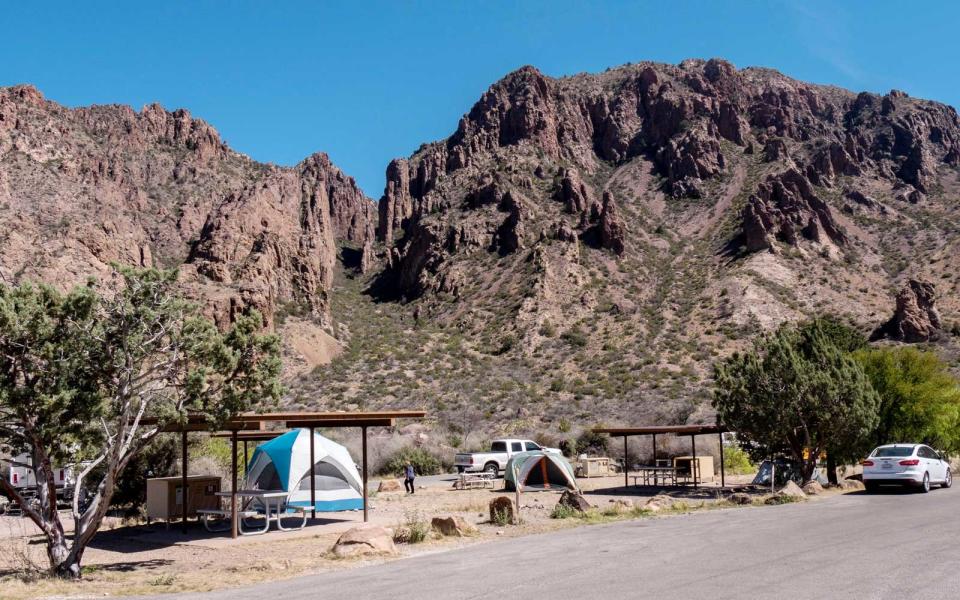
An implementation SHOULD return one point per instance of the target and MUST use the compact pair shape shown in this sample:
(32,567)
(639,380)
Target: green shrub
(736,461)
(418,527)
(563,511)
(501,517)
(574,337)
(590,442)
(424,463)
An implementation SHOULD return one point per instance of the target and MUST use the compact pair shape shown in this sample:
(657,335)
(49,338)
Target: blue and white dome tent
(283,463)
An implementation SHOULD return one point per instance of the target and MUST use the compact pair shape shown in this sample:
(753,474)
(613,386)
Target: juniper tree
(79,372)
(798,391)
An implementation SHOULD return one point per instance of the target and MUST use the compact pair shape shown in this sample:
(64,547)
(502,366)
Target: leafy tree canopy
(919,397)
(798,391)
(79,372)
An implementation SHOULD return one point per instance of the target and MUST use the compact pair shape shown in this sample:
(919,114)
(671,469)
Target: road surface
(855,546)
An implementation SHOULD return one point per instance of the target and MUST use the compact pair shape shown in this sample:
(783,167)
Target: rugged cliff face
(83,188)
(599,240)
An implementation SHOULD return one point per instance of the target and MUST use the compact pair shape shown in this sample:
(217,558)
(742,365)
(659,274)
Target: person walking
(408,475)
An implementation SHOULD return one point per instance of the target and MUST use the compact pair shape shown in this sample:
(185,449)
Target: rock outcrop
(84,188)
(916,318)
(786,209)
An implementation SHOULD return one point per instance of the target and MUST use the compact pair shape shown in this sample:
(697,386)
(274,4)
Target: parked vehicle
(23,479)
(914,465)
(496,459)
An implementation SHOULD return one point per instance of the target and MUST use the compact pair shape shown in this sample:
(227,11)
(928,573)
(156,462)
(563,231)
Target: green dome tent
(539,471)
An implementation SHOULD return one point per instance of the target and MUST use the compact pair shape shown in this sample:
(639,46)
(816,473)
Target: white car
(913,465)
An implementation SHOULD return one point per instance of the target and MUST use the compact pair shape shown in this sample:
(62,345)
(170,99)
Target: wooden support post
(246,457)
(234,520)
(723,479)
(654,449)
(626,465)
(183,482)
(694,468)
(364,452)
(313,493)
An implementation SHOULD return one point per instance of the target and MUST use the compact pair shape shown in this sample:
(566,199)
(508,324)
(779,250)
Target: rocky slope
(587,246)
(580,250)
(83,188)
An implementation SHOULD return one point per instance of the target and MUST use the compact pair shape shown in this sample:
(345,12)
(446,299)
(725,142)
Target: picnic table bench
(274,506)
(468,481)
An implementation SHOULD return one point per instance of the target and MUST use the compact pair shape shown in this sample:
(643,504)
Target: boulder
(501,510)
(812,488)
(622,504)
(659,502)
(389,485)
(792,489)
(361,541)
(850,485)
(740,498)
(452,526)
(574,500)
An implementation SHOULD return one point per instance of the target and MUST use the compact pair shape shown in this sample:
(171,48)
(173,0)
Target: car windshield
(891,451)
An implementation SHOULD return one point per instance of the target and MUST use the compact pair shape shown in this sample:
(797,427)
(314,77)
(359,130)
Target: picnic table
(655,474)
(273,503)
(468,481)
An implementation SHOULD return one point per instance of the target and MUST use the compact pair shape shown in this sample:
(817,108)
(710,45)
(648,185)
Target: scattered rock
(622,503)
(851,485)
(792,489)
(389,485)
(453,526)
(574,500)
(740,498)
(812,488)
(659,502)
(366,540)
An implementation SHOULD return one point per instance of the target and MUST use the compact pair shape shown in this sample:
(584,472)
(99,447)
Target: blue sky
(369,81)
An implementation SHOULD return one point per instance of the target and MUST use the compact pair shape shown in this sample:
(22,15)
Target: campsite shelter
(252,427)
(539,471)
(653,430)
(284,463)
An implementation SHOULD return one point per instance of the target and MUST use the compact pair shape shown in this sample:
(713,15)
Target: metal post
(364,429)
(233,483)
(723,480)
(654,449)
(183,481)
(626,465)
(246,457)
(694,468)
(313,495)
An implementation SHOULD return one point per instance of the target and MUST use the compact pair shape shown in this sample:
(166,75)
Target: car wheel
(925,486)
(948,481)
(461,469)
(492,468)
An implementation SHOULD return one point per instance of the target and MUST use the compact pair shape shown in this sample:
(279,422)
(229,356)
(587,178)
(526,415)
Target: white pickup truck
(495,461)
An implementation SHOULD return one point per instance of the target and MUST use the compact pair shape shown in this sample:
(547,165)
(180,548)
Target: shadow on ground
(157,535)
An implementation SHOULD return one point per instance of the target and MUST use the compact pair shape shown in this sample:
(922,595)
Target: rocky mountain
(579,250)
(586,247)
(83,188)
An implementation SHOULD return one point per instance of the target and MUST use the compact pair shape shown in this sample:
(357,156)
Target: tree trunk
(831,469)
(63,562)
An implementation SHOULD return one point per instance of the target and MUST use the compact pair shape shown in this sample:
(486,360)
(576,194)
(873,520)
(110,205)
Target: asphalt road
(855,546)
